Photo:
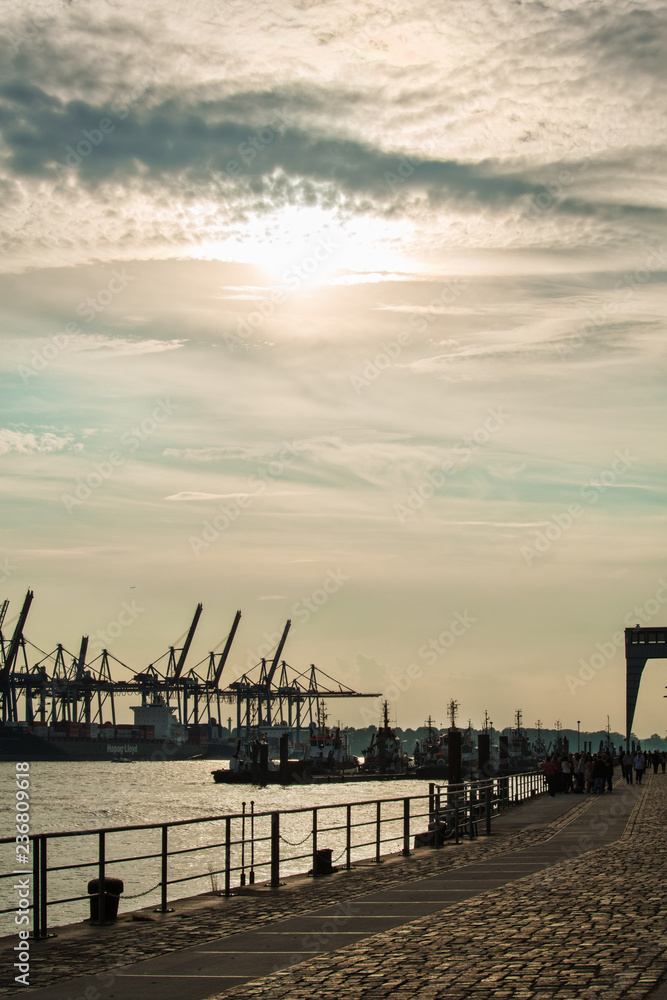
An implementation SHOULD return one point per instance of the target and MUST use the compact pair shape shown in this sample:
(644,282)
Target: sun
(299,247)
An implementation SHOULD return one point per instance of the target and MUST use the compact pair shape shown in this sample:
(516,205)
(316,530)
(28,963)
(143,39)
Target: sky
(346,313)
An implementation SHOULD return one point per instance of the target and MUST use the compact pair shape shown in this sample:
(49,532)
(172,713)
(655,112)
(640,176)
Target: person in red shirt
(551,771)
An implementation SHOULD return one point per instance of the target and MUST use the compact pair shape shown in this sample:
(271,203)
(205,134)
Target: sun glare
(301,247)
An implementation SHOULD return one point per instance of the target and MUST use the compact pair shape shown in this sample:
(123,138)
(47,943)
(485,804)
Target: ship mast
(452,709)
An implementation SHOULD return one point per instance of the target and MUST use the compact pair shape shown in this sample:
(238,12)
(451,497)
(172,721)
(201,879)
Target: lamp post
(578,733)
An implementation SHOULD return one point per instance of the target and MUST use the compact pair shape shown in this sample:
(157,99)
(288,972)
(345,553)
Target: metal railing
(251,844)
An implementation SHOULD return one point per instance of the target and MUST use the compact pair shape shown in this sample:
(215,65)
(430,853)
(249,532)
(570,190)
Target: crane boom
(276,658)
(228,645)
(81,659)
(188,642)
(15,643)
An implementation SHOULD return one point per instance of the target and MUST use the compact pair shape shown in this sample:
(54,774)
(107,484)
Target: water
(73,795)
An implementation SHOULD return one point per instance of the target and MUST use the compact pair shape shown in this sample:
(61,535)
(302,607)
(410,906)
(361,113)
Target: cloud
(123,346)
(185,495)
(287,452)
(30,443)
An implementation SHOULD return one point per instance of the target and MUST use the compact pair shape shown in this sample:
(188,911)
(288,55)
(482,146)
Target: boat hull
(29,747)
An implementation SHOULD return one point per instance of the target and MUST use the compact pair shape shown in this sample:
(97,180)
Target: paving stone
(588,926)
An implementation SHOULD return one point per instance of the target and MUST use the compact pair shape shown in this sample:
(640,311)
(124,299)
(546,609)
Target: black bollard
(113,888)
(483,754)
(454,772)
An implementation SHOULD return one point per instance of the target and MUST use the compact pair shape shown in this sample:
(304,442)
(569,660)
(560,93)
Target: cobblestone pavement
(82,949)
(593,926)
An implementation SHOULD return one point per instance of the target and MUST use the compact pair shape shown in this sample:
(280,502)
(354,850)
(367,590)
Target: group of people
(637,762)
(593,774)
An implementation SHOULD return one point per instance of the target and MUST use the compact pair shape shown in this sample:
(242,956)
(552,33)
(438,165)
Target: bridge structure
(641,644)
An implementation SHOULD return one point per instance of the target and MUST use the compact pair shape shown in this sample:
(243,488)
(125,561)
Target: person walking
(663,760)
(599,775)
(566,770)
(588,773)
(639,765)
(609,770)
(626,765)
(655,760)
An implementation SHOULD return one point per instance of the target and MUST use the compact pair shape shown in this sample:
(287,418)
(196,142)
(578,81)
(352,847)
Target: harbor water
(74,795)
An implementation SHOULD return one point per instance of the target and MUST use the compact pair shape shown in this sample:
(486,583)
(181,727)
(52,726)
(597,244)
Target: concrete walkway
(548,907)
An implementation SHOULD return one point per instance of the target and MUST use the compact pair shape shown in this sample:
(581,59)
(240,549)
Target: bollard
(322,863)
(111,890)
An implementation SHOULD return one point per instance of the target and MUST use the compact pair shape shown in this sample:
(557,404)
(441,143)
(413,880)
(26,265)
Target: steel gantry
(64,687)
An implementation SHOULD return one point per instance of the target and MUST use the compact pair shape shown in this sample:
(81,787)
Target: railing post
(406,828)
(100,876)
(43,889)
(487,809)
(228,856)
(348,837)
(275,849)
(457,839)
(251,878)
(436,820)
(314,840)
(163,883)
(472,803)
(431,803)
(378,830)
(242,877)
(35,888)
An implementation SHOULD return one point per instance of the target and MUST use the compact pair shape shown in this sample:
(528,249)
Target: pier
(565,900)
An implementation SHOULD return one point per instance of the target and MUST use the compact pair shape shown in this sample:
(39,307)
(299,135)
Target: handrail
(449,811)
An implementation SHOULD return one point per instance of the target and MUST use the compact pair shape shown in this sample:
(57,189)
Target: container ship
(155,734)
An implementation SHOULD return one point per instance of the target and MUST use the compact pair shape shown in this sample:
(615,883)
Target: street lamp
(578,732)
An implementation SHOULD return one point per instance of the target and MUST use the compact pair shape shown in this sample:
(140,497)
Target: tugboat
(432,758)
(252,764)
(385,755)
(431,754)
(329,750)
(539,747)
(469,753)
(519,756)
